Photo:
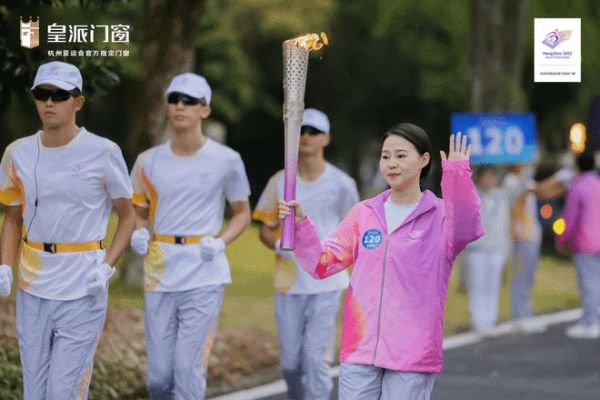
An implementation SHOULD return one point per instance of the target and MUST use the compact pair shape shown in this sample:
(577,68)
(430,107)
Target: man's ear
(205,112)
(79,102)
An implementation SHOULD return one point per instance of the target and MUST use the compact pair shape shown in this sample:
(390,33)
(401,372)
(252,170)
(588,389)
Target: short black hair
(415,135)
(585,161)
(309,129)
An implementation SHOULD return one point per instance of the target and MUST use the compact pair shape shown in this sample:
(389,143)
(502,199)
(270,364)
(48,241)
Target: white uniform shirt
(327,201)
(186,197)
(73,185)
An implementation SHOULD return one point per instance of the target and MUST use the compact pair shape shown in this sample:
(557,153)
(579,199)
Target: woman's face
(400,163)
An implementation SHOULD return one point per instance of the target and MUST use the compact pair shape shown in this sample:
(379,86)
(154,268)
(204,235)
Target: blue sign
(498,138)
(371,238)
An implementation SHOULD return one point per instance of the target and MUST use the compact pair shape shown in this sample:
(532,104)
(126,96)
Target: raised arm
(462,222)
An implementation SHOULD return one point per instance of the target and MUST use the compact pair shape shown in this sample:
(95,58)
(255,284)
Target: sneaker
(583,331)
(529,326)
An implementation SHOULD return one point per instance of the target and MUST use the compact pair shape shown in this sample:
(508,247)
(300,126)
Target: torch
(295,66)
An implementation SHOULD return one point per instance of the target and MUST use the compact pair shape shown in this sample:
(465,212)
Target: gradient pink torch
(295,66)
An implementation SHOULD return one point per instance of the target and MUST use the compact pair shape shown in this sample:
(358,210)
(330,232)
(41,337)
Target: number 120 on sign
(498,138)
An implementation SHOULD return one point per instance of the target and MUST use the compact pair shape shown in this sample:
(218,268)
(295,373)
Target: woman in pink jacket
(401,244)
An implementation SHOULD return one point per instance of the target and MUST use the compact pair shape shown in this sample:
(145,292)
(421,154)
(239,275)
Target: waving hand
(458,149)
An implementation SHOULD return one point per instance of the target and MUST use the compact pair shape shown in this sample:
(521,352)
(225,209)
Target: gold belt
(66,247)
(177,239)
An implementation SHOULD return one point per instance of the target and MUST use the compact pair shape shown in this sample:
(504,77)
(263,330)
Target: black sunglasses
(309,130)
(175,98)
(56,95)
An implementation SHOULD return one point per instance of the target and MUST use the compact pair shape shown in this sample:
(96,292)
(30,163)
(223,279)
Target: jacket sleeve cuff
(455,165)
(302,225)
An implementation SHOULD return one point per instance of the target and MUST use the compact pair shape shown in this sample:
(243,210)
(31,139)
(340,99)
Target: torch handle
(287,233)
(289,193)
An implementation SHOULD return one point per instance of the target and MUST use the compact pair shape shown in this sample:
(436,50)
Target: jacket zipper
(381,298)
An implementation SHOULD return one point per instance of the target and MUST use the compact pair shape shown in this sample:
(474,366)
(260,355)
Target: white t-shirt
(395,214)
(74,185)
(186,196)
(326,200)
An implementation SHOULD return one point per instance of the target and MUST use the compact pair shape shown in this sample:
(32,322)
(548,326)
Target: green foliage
(239,51)
(11,378)
(390,62)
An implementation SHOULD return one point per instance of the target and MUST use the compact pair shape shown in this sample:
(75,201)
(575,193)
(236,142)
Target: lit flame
(577,137)
(311,41)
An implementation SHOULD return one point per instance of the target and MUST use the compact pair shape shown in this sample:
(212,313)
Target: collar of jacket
(427,202)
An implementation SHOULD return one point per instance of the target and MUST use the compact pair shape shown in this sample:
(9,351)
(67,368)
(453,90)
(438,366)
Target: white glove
(98,279)
(5,280)
(211,247)
(139,241)
(285,254)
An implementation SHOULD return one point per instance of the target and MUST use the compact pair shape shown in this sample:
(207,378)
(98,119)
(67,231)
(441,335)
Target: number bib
(371,238)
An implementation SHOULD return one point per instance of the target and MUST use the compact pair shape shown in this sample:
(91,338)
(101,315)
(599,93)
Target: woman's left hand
(458,149)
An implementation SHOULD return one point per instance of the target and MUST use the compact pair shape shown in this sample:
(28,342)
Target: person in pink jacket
(582,237)
(401,244)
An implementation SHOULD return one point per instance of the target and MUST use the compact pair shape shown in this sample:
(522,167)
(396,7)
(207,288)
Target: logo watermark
(556,37)
(84,34)
(557,50)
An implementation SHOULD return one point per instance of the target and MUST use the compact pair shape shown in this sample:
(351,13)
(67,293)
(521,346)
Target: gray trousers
(57,343)
(526,254)
(179,328)
(484,277)
(588,275)
(367,382)
(306,325)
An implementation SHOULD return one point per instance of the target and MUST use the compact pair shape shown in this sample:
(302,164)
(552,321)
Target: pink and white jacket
(394,307)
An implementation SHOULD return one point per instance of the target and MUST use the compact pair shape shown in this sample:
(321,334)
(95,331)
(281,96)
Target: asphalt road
(547,366)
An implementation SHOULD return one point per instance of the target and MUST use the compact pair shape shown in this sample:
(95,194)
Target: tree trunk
(170,29)
(496,54)
(496,59)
